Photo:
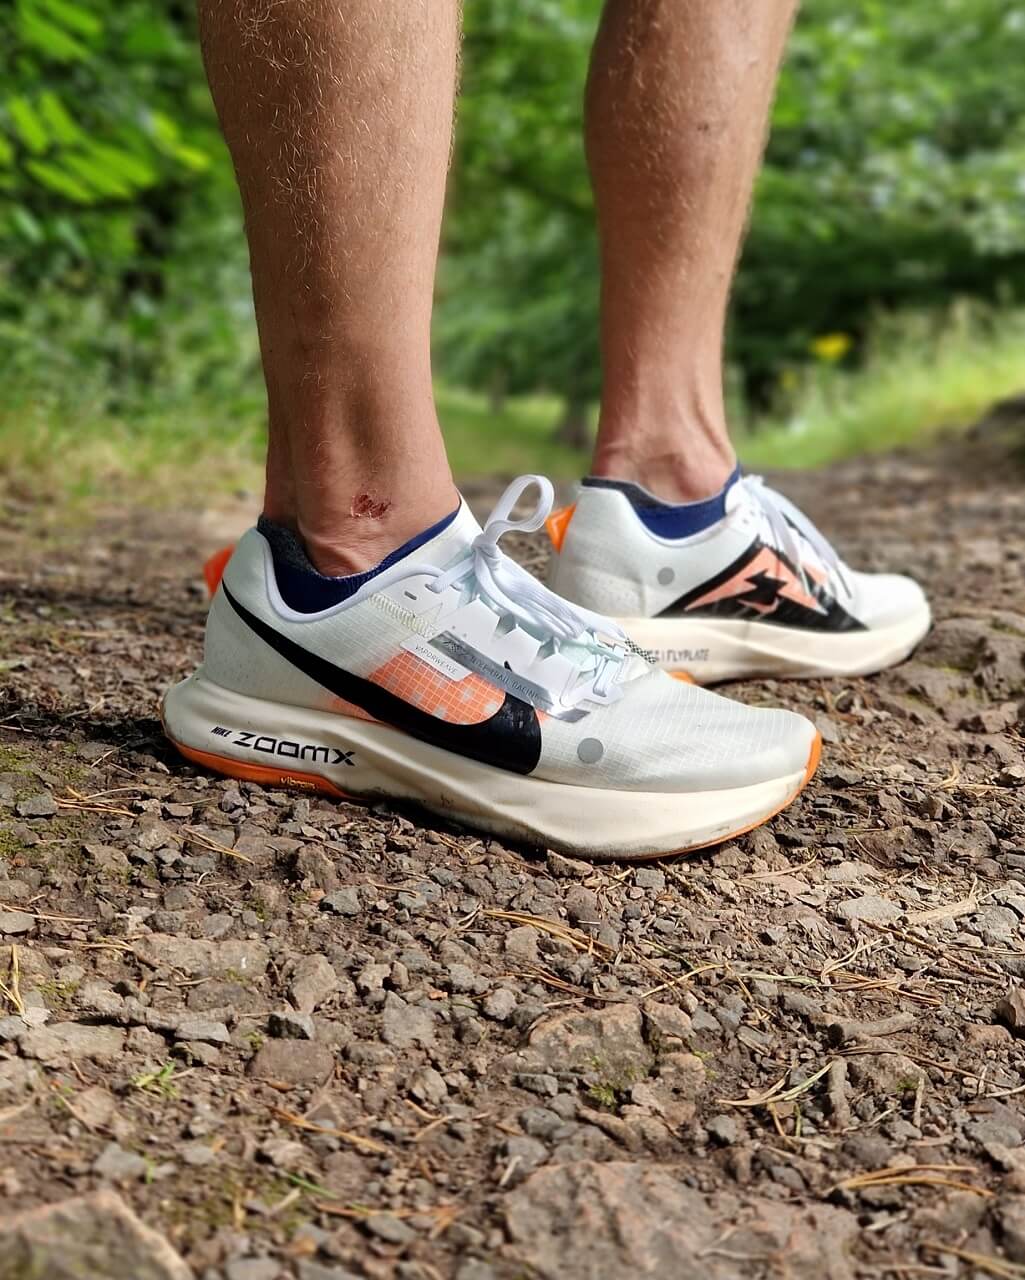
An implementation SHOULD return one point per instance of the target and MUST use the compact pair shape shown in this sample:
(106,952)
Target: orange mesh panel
(467,701)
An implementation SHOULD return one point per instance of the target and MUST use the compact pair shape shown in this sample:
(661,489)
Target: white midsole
(713,649)
(387,763)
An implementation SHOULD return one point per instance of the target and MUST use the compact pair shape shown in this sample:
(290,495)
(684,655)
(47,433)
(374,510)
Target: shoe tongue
(453,542)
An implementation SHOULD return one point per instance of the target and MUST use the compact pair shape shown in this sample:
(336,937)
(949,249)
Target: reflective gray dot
(590,750)
(665,576)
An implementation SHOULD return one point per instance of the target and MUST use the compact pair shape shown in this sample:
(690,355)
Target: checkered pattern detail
(466,701)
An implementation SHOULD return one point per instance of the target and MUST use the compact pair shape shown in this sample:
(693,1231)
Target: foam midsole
(372,761)
(712,649)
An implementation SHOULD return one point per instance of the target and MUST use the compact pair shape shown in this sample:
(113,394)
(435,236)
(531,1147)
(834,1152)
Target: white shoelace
(489,573)
(788,525)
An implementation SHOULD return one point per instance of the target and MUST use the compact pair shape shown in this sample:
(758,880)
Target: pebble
(1011,1011)
(313,981)
(288,1025)
(868,907)
(500,1004)
(389,1228)
(650,878)
(343,902)
(405,1025)
(205,1030)
(40,805)
(15,922)
(117,1165)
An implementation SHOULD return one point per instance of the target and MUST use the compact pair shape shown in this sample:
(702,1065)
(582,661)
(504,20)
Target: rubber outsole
(627,826)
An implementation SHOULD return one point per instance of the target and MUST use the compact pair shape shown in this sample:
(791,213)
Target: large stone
(69,1041)
(295,1062)
(95,1236)
(605,1042)
(405,1024)
(589,1220)
(199,958)
(313,981)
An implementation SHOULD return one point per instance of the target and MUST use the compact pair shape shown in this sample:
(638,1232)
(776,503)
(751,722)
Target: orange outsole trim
(685,676)
(262,773)
(809,772)
(314,782)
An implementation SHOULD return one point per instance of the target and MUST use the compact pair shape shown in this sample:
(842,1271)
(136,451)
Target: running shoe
(737,586)
(450,677)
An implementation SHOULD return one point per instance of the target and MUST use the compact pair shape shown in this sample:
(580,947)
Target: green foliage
(893,178)
(95,101)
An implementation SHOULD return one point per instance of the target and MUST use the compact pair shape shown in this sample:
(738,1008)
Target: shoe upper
(759,559)
(458,646)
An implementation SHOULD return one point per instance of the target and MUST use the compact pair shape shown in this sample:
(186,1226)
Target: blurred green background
(881,296)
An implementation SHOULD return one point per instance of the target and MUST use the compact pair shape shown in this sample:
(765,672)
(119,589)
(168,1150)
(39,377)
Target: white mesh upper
(660,735)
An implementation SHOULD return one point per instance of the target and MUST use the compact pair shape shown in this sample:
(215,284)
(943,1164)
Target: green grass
(922,376)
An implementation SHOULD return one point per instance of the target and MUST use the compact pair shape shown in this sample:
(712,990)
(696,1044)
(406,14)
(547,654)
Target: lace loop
(511,590)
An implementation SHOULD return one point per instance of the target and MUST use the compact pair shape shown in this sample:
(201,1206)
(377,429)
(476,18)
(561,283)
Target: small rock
(200,958)
(40,805)
(15,922)
(295,1062)
(1011,1011)
(94,1107)
(313,981)
(650,878)
(389,1228)
(343,902)
(291,1026)
(521,944)
(500,1005)
(118,1165)
(72,1040)
(205,1030)
(197,1154)
(405,1024)
(666,1021)
(605,1041)
(868,907)
(1011,1217)
(429,1086)
(724,1129)
(314,1271)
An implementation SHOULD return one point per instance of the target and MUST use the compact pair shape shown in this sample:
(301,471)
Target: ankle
(697,470)
(344,541)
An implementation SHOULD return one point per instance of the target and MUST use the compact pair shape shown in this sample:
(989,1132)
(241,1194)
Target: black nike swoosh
(510,739)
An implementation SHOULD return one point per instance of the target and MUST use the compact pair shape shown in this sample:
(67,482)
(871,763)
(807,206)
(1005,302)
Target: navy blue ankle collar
(306,590)
(667,519)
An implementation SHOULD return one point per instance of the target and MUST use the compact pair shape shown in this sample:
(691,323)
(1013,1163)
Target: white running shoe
(454,679)
(738,586)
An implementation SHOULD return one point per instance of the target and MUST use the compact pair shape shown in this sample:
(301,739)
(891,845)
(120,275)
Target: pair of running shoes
(571,715)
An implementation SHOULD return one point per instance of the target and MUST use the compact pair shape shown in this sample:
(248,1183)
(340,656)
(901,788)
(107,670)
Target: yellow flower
(831,347)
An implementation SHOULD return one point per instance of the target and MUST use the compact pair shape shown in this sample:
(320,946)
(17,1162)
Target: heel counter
(600,565)
(234,657)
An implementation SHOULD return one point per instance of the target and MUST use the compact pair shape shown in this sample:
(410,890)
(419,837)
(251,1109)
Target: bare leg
(339,120)
(677,106)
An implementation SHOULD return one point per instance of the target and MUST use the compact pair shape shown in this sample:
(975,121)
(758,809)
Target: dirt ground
(248,1035)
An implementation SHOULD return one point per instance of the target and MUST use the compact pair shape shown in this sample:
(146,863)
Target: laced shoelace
(488,572)
(788,526)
